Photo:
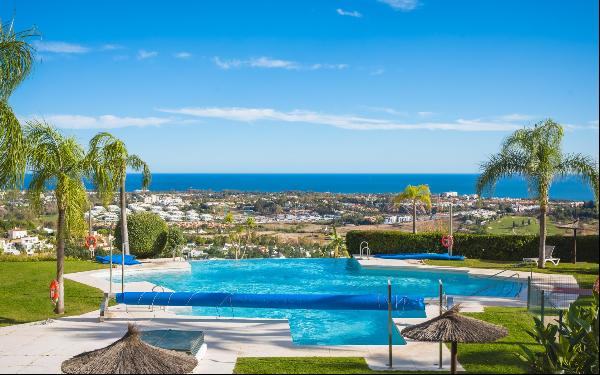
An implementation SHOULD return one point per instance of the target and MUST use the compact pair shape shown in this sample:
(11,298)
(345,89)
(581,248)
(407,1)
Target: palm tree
(337,243)
(535,154)
(56,160)
(250,225)
(108,161)
(415,194)
(16,60)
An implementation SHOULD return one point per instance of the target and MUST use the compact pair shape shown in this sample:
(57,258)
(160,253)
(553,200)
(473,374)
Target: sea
(568,188)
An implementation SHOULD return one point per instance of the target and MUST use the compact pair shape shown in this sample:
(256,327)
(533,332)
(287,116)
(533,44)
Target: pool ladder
(364,249)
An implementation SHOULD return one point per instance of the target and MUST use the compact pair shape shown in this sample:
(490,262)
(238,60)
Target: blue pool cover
(273,301)
(430,256)
(116,259)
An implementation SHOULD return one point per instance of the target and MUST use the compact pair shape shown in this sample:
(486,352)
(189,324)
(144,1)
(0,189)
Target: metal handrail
(493,276)
(365,247)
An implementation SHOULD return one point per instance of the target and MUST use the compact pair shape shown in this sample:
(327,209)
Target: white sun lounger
(547,257)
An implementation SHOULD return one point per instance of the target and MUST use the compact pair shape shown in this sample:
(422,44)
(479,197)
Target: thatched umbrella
(130,355)
(454,328)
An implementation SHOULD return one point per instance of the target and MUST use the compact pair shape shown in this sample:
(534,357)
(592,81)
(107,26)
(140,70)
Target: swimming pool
(326,276)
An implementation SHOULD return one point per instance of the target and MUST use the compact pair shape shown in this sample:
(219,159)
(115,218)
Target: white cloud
(143,54)
(425,113)
(183,55)
(68,121)
(516,117)
(353,13)
(350,122)
(377,72)
(266,62)
(270,63)
(59,47)
(403,5)
(111,47)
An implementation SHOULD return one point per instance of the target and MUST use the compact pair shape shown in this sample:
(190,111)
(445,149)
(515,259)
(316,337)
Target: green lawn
(585,273)
(25,291)
(498,357)
(504,225)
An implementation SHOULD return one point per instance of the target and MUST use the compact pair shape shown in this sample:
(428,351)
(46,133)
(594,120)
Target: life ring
(447,241)
(90,241)
(54,291)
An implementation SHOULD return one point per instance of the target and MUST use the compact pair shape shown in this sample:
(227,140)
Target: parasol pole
(453,350)
(390,322)
(451,230)
(441,297)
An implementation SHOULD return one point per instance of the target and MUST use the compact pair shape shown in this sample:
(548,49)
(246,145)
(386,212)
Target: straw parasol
(130,355)
(454,328)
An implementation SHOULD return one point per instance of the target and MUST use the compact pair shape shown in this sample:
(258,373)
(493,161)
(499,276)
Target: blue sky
(379,86)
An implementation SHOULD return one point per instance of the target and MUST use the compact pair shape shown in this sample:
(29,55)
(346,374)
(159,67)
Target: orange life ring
(90,241)
(447,241)
(54,291)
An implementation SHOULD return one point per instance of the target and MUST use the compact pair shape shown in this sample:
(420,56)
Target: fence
(550,295)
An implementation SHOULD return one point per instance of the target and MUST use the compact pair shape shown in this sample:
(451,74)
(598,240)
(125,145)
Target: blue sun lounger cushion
(116,259)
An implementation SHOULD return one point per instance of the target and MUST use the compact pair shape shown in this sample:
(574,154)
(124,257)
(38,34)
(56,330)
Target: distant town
(286,224)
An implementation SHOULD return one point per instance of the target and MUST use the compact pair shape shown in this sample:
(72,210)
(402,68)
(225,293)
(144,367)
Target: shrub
(482,246)
(175,239)
(147,234)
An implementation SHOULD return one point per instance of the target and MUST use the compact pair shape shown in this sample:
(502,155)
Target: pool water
(321,276)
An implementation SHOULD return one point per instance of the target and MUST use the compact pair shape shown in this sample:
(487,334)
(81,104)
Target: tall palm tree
(415,194)
(108,161)
(56,160)
(536,154)
(16,61)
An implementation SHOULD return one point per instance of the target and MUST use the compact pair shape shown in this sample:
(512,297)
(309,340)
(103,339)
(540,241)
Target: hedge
(480,246)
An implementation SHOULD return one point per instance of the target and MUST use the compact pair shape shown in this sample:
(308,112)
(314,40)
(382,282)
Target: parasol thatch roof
(130,355)
(453,327)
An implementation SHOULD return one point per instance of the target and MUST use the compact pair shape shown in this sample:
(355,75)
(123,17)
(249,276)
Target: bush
(147,234)
(481,246)
(175,239)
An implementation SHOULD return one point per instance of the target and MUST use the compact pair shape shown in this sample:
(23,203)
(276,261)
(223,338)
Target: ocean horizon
(568,188)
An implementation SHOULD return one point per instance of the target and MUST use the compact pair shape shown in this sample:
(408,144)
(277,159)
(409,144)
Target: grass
(25,291)
(504,225)
(499,357)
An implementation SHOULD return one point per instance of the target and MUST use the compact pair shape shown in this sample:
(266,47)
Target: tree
(16,61)
(250,225)
(147,233)
(415,194)
(228,219)
(536,154)
(54,159)
(108,159)
(175,238)
(337,243)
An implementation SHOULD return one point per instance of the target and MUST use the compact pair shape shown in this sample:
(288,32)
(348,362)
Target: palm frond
(505,164)
(583,166)
(13,152)
(16,58)
(137,164)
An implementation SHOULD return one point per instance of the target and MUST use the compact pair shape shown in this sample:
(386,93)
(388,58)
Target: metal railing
(364,246)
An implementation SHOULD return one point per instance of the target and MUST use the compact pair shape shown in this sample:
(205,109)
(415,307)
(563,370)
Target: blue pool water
(321,276)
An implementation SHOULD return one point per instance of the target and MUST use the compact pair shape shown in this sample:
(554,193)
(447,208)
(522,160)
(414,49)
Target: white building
(450,194)
(15,234)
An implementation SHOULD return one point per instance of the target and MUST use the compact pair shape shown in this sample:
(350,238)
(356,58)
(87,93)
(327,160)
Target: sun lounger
(548,250)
